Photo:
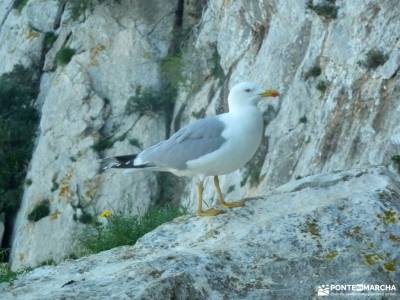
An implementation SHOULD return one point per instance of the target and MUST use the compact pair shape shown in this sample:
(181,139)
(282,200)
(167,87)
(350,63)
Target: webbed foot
(232,204)
(211,212)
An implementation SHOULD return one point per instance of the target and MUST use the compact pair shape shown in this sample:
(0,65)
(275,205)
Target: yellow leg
(221,197)
(200,212)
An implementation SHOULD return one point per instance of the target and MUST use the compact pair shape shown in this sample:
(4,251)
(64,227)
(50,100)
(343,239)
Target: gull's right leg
(221,197)
(200,212)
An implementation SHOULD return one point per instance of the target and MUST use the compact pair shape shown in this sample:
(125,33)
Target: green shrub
(322,86)
(103,143)
(124,230)
(374,59)
(303,120)
(20,4)
(315,71)
(171,69)
(18,121)
(171,76)
(135,142)
(327,9)
(64,56)
(396,162)
(40,211)
(148,101)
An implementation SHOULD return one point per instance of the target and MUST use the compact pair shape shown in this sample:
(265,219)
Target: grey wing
(193,141)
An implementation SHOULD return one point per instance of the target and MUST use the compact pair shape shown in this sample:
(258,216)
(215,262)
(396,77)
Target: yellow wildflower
(105,213)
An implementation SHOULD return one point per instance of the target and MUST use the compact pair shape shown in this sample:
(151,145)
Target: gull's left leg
(222,198)
(200,212)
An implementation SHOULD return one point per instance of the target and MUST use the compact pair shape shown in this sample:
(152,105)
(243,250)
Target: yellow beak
(269,93)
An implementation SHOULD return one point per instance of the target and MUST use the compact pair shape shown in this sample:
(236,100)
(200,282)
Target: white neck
(246,116)
(237,104)
(239,109)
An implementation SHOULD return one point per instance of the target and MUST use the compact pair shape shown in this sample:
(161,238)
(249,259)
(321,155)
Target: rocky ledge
(336,228)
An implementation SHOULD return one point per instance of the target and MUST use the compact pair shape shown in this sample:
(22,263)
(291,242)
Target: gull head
(248,93)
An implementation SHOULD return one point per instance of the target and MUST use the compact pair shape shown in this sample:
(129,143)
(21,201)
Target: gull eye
(247,90)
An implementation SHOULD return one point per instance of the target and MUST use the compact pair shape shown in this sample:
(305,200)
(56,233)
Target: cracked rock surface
(343,117)
(282,244)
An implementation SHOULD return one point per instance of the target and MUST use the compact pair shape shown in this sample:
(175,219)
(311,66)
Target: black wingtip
(123,162)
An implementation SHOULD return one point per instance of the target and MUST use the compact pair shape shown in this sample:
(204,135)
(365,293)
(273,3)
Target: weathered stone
(42,14)
(84,119)
(19,43)
(345,117)
(323,229)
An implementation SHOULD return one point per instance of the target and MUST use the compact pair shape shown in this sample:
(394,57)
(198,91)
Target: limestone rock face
(43,14)
(83,117)
(280,245)
(338,108)
(342,116)
(19,43)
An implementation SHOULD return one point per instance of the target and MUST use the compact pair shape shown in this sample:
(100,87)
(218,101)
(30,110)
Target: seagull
(211,146)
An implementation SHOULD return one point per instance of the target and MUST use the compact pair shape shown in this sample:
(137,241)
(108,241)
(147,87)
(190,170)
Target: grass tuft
(388,217)
(6,275)
(48,262)
(374,59)
(312,227)
(390,266)
(331,254)
(40,211)
(124,230)
(372,258)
